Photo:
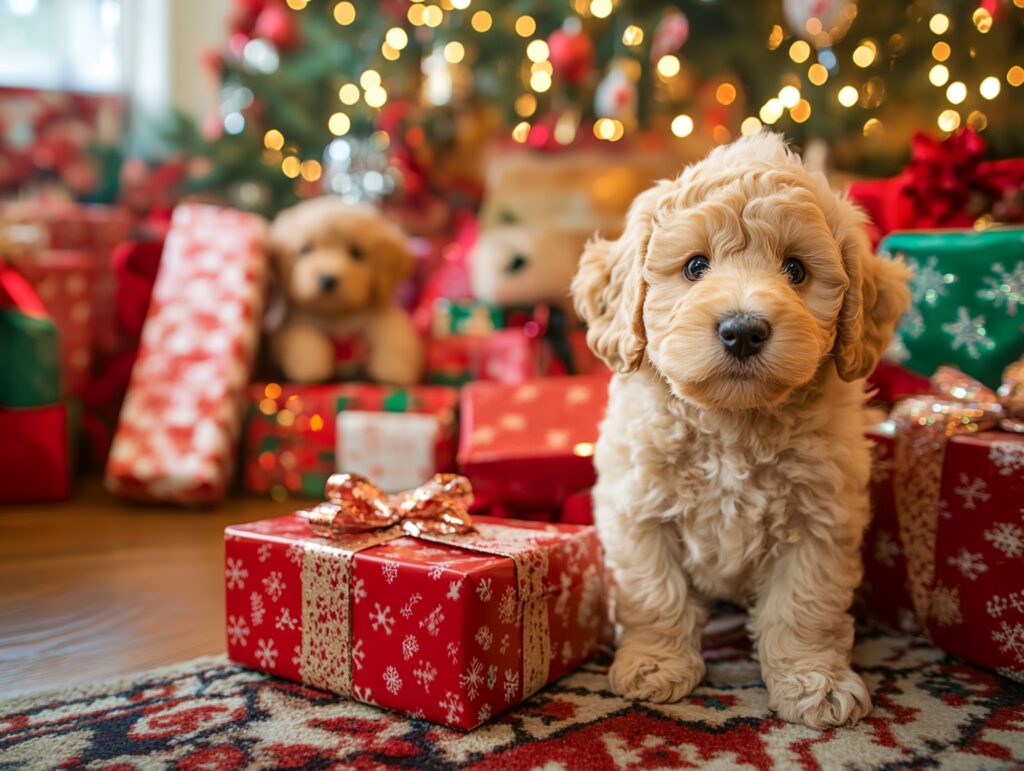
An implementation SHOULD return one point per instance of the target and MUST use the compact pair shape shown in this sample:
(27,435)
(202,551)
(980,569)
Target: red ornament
(571,54)
(275,23)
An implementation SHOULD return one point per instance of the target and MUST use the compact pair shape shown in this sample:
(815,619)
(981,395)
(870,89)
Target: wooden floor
(94,588)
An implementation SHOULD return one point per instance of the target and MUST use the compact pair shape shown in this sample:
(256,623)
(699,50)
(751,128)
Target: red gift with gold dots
(531,445)
(453,628)
(291,439)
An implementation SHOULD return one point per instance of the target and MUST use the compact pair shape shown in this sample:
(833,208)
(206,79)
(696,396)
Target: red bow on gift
(948,184)
(356,505)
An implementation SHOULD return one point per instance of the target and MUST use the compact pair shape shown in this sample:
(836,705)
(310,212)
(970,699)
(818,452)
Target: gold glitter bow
(356,505)
(19,236)
(924,426)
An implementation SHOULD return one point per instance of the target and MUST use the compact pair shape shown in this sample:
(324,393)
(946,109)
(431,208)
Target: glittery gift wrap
(66,283)
(504,356)
(176,435)
(968,300)
(455,629)
(531,445)
(290,440)
(954,566)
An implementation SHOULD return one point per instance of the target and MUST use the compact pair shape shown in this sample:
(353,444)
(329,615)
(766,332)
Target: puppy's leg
(804,634)
(661,618)
(304,353)
(396,352)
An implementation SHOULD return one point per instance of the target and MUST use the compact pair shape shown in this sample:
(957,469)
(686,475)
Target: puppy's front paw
(655,676)
(819,698)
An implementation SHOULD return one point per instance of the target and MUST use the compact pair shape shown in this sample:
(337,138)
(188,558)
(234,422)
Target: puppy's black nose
(743,335)
(327,283)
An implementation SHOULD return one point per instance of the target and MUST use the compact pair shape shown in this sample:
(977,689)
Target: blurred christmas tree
(369,98)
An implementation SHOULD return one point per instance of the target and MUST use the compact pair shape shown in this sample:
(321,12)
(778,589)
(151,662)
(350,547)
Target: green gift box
(453,317)
(30,375)
(968,300)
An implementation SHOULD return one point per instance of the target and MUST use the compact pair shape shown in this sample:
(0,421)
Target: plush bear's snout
(327,283)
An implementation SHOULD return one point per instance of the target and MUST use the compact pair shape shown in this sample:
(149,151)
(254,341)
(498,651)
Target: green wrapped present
(455,318)
(30,375)
(968,300)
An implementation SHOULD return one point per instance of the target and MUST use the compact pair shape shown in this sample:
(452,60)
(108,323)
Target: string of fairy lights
(816,75)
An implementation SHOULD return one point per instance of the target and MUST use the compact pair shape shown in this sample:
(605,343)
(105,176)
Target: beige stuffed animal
(338,265)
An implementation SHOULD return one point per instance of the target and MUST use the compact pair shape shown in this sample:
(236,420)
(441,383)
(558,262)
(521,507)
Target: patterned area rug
(930,711)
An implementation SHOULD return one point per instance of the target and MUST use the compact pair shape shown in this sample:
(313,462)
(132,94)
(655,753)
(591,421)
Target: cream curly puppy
(741,309)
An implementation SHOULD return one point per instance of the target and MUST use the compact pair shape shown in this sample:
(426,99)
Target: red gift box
(66,283)
(291,433)
(181,417)
(455,629)
(531,445)
(946,547)
(34,459)
(505,356)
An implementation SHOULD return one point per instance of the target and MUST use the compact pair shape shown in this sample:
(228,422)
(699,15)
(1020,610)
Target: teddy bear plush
(338,265)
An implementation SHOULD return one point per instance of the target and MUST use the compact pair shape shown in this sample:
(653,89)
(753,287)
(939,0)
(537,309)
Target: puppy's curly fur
(738,479)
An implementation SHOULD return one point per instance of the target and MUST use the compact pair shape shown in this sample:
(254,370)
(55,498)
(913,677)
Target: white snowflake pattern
(999,605)
(285,621)
(472,678)
(969,333)
(263,553)
(483,590)
(511,685)
(1010,639)
(258,610)
(437,569)
(381,618)
(425,674)
(406,610)
(432,623)
(295,554)
(390,571)
(504,644)
(562,603)
(358,590)
(358,654)
(972,491)
(392,680)
(1007,537)
(365,695)
(969,563)
(485,637)
(454,589)
(886,549)
(484,713)
(274,585)
(507,606)
(1008,457)
(453,704)
(266,653)
(1005,289)
(453,652)
(410,647)
(944,511)
(238,631)
(881,463)
(297,658)
(492,677)
(235,573)
(945,607)
(929,284)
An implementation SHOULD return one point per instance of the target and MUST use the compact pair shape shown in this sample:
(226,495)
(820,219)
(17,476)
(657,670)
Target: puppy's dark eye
(306,248)
(696,267)
(517,263)
(356,253)
(794,270)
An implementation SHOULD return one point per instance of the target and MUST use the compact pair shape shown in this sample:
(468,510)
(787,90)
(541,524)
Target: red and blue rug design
(930,712)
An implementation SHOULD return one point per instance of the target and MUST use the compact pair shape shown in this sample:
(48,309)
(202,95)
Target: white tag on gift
(394,449)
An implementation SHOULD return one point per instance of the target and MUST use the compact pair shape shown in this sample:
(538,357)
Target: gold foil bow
(357,505)
(924,426)
(19,236)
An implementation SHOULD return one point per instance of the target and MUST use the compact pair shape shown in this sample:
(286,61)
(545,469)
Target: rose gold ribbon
(924,426)
(356,505)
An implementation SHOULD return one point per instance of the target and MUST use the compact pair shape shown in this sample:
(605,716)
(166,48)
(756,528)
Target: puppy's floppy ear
(392,261)
(609,289)
(877,297)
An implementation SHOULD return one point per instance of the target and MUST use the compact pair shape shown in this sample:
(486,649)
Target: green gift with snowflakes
(968,300)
